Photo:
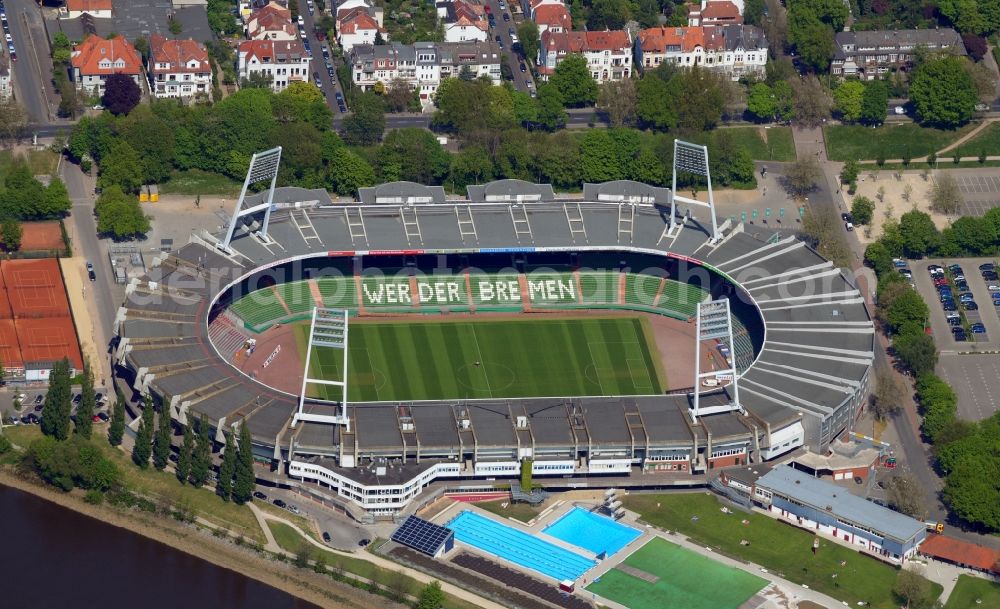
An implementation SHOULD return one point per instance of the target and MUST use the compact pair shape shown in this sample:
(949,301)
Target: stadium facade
(803,382)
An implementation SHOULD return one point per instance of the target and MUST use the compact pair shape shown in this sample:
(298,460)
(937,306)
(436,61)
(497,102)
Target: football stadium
(377,347)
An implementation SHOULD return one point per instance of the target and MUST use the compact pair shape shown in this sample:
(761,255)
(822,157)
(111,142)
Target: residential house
(358,27)
(734,49)
(552,17)
(345,8)
(95,8)
(608,54)
(248,7)
(6,89)
(872,54)
(529,6)
(96,58)
(715,12)
(271,22)
(463,20)
(284,61)
(178,68)
(424,65)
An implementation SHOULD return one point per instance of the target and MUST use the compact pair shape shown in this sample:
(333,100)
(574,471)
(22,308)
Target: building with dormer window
(96,58)
(178,68)
(871,55)
(284,61)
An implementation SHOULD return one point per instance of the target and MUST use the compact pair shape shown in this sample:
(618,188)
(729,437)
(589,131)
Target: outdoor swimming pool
(519,548)
(592,532)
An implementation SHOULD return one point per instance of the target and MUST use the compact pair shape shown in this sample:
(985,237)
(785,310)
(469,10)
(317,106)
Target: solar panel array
(422,535)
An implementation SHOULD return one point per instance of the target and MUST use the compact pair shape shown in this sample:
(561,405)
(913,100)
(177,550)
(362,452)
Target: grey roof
(626,191)
(293,194)
(938,38)
(840,503)
(746,37)
(401,193)
(135,18)
(437,53)
(510,190)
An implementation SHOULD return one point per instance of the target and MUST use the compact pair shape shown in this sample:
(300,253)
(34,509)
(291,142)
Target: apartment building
(358,27)
(424,65)
(285,61)
(552,17)
(272,22)
(870,55)
(715,12)
(96,58)
(463,20)
(178,68)
(608,54)
(736,50)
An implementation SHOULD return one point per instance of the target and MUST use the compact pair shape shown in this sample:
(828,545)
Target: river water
(53,557)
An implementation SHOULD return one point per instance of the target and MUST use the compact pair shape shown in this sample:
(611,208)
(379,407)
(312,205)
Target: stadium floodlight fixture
(263,168)
(328,329)
(691,158)
(714,327)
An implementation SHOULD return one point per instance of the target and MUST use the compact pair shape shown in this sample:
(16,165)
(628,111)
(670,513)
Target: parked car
(90,271)
(989,266)
(77,398)
(849,226)
(326,537)
(962,286)
(523,67)
(294,509)
(39,399)
(103,416)
(896,262)
(990,276)
(970,305)
(960,335)
(967,297)
(948,305)
(280,503)
(955,268)
(364,542)
(993,288)
(905,273)
(978,328)
(259,495)
(955,321)
(506,16)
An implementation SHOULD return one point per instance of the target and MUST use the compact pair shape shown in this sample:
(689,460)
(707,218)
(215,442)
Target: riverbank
(197,542)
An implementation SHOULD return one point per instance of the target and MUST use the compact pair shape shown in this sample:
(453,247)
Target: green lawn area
(197,182)
(201,501)
(491,359)
(845,142)
(781,548)
(289,539)
(987,140)
(683,576)
(970,589)
(41,162)
(778,147)
(517,511)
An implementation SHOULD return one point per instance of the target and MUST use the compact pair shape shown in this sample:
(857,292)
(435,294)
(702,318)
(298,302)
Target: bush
(5,445)
(94,497)
(72,463)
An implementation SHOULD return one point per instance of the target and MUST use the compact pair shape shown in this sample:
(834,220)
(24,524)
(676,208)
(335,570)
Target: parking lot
(975,308)
(981,189)
(975,380)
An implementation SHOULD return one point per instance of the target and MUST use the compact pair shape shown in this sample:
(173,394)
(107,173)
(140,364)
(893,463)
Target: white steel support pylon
(691,158)
(714,324)
(263,168)
(328,328)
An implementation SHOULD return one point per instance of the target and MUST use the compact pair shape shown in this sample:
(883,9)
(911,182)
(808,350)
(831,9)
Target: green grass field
(197,182)
(490,359)
(845,142)
(779,547)
(987,140)
(687,580)
(970,589)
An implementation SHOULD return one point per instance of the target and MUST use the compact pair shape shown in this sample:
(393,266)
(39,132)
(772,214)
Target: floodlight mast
(328,328)
(263,167)
(692,158)
(713,322)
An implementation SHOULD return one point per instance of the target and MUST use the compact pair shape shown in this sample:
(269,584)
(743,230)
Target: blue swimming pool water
(519,548)
(592,532)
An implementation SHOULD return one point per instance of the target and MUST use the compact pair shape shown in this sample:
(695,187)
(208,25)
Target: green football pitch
(489,359)
(667,575)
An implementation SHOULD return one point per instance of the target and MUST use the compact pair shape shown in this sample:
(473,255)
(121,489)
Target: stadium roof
(840,503)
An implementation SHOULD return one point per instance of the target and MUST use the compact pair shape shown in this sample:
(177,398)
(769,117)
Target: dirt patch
(276,361)
(191,540)
(41,236)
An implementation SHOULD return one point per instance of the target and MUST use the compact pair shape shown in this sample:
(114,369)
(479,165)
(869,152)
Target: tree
(120,215)
(244,477)
(527,33)
(224,487)
(70,103)
(121,94)
(13,120)
(121,166)
(367,123)
(946,196)
(116,430)
(11,232)
(58,402)
(185,455)
(431,596)
(875,103)
(812,101)
(85,410)
(811,37)
(618,99)
(400,96)
(700,97)
(849,173)
(848,99)
(862,209)
(801,176)
(348,172)
(471,166)
(943,93)
(161,443)
(905,312)
(55,203)
(905,494)
(551,112)
(655,108)
(412,154)
(143,447)
(573,80)
(886,398)
(916,351)
(201,458)
(257,80)
(762,102)
(919,234)
(914,589)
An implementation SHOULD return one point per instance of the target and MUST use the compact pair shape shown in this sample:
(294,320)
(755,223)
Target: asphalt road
(32,85)
(522,81)
(329,85)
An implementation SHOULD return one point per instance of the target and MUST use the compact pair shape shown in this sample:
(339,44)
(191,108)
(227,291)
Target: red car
(940,281)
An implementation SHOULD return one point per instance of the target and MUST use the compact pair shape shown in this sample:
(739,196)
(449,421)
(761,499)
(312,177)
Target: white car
(301,20)
(993,288)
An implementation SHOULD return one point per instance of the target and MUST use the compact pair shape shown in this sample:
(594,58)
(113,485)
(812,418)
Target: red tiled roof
(580,42)
(271,21)
(269,48)
(272,10)
(535,3)
(961,552)
(88,55)
(88,5)
(178,53)
(722,10)
(687,39)
(553,15)
(358,20)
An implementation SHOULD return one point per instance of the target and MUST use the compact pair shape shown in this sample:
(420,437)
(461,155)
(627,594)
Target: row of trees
(916,236)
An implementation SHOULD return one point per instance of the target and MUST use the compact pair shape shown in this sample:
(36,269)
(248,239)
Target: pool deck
(778,594)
